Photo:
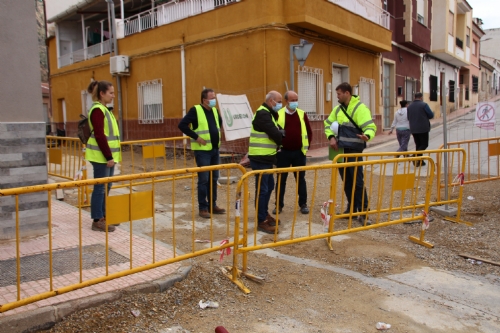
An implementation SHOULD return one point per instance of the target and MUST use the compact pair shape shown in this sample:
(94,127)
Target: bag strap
(342,107)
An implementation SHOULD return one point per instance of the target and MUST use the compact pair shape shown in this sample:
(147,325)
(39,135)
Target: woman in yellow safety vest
(102,149)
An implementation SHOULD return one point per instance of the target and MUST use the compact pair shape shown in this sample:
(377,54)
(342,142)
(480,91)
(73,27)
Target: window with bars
(451,97)
(150,100)
(433,84)
(367,93)
(310,82)
(475,84)
(411,86)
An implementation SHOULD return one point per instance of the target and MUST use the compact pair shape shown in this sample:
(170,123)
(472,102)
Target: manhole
(36,267)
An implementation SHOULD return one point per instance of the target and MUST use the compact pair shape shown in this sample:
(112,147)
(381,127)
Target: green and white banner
(236,116)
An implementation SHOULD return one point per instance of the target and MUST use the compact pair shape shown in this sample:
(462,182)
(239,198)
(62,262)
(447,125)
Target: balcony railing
(170,12)
(367,10)
(161,15)
(85,54)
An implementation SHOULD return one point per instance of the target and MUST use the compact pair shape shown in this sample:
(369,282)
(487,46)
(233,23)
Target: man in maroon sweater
(296,142)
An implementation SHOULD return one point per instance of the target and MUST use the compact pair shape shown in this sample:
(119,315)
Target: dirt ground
(298,297)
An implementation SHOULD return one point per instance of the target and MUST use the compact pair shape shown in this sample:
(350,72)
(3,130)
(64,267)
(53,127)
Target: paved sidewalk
(65,238)
(321,154)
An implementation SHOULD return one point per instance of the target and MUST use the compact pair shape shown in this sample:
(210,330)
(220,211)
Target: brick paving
(65,235)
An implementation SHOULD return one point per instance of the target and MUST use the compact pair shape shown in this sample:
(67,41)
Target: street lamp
(301,52)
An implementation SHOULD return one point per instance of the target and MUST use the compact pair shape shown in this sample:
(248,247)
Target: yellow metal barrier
(69,227)
(456,157)
(65,156)
(482,163)
(156,154)
(411,184)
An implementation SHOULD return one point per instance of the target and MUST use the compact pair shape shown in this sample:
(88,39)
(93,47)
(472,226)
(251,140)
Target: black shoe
(362,219)
(274,210)
(304,209)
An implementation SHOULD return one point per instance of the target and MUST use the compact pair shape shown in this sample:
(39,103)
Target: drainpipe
(183,83)
(111,8)
(183,80)
(122,10)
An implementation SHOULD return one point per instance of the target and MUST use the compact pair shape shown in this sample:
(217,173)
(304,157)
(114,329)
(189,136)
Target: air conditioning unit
(118,65)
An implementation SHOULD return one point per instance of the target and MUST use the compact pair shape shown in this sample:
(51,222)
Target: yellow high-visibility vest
(203,131)
(112,132)
(303,129)
(260,144)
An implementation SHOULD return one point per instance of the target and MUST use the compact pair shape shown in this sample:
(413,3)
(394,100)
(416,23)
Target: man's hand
(111,163)
(333,143)
(390,132)
(201,141)
(363,137)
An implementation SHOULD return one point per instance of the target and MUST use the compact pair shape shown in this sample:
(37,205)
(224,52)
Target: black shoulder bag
(348,135)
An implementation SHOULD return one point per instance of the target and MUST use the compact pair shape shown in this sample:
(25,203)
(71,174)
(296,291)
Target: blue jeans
(266,188)
(98,200)
(207,158)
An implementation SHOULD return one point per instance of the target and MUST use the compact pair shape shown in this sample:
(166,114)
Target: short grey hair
(270,95)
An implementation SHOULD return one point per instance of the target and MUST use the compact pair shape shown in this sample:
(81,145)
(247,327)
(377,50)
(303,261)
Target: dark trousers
(266,188)
(207,158)
(294,158)
(421,141)
(360,200)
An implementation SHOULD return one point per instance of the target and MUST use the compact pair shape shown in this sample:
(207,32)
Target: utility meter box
(119,65)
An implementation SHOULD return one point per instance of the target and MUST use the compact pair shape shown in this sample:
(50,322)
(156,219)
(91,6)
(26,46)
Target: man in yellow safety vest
(265,138)
(356,127)
(203,123)
(294,148)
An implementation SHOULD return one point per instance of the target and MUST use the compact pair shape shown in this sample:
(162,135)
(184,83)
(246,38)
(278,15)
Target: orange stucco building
(240,47)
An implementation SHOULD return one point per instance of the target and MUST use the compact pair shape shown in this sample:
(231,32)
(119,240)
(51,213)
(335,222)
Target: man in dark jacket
(419,114)
(265,138)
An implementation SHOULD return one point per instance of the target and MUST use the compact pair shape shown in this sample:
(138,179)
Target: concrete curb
(48,316)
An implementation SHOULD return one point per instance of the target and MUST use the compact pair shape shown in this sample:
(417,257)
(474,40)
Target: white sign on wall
(236,116)
(485,116)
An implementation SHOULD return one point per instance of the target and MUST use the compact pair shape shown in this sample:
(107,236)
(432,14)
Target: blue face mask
(212,102)
(277,107)
(293,105)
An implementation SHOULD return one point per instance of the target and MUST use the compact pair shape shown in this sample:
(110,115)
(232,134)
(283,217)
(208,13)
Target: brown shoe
(204,213)
(272,220)
(218,210)
(101,226)
(264,226)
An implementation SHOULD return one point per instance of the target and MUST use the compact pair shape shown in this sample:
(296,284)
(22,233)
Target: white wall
(55,7)
(434,67)
(439,27)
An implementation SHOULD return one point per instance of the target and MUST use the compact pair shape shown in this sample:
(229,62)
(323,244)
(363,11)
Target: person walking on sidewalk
(356,127)
(402,126)
(296,142)
(103,149)
(419,114)
(202,124)
(265,138)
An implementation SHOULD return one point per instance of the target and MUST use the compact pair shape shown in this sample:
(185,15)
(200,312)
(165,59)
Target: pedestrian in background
(402,126)
(265,139)
(103,149)
(419,114)
(296,142)
(202,124)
